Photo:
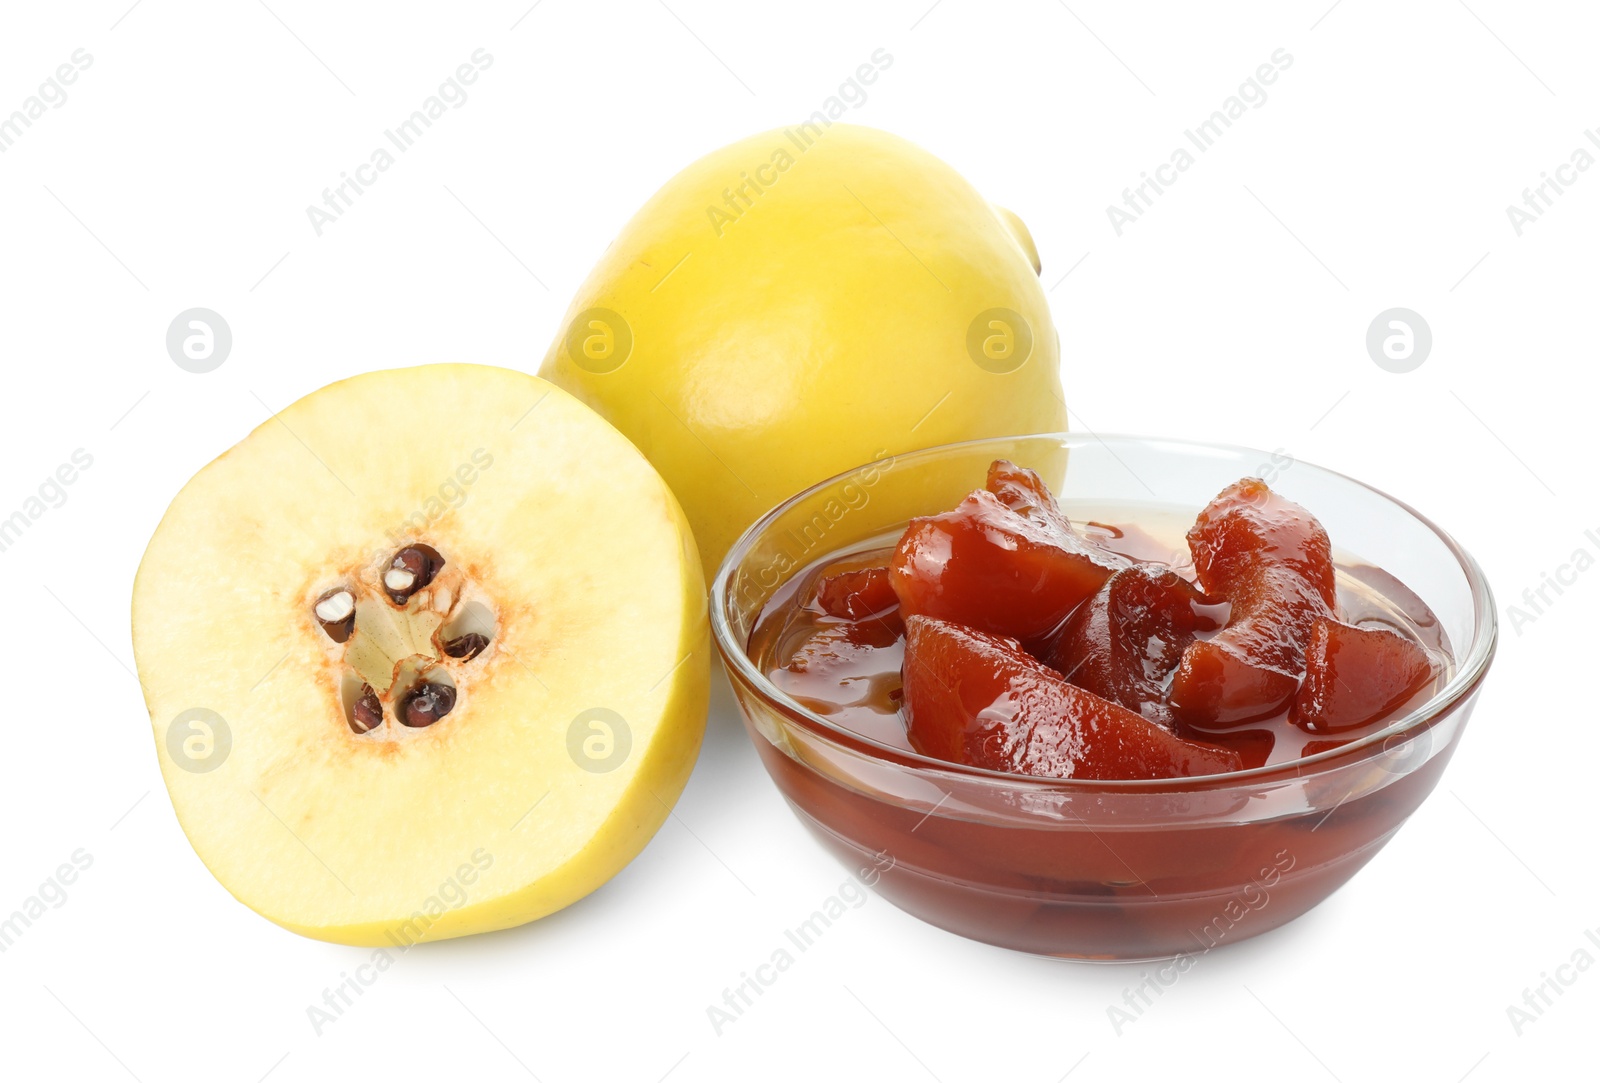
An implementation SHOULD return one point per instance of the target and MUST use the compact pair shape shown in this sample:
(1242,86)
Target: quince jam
(1000,635)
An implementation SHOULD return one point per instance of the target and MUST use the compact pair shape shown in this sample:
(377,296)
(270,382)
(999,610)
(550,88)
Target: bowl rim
(1471,664)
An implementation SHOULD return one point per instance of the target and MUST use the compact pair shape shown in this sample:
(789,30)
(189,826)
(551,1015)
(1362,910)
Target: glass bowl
(1101,869)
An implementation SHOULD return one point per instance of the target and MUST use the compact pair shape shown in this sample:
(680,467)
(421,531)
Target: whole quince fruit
(801,303)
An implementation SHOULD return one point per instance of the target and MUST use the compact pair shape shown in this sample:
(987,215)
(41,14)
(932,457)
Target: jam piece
(1006,562)
(1271,560)
(1217,687)
(1123,643)
(1024,492)
(857,595)
(1357,675)
(981,700)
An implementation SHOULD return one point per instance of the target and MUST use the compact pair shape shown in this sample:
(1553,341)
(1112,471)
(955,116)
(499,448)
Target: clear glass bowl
(1115,869)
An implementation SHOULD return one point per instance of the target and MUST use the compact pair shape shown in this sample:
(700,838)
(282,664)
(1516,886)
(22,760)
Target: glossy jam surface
(848,669)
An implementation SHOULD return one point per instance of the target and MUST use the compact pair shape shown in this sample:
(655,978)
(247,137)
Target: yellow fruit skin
(821,323)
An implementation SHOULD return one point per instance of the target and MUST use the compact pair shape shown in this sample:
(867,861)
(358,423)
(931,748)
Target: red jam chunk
(858,594)
(1271,560)
(1004,561)
(1024,492)
(981,700)
(1123,643)
(1355,676)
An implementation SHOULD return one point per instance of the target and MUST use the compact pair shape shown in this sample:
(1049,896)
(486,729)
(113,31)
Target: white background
(1376,175)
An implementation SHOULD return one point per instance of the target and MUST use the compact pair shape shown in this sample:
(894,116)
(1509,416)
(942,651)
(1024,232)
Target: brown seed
(426,704)
(467,647)
(367,714)
(412,569)
(335,611)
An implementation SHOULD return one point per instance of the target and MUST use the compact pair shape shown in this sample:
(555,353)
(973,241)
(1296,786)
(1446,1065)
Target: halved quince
(425,655)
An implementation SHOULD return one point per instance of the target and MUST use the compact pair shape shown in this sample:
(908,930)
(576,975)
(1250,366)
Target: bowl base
(1101,922)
